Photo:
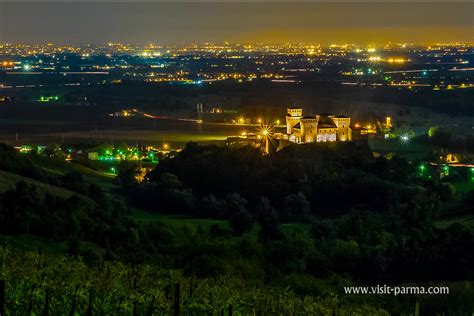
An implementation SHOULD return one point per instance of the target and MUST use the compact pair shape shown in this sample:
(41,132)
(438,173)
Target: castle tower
(293,116)
(309,129)
(343,127)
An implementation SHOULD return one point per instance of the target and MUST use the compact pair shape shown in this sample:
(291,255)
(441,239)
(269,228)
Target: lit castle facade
(320,128)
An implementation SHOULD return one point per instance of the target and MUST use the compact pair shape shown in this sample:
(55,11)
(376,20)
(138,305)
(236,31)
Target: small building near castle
(320,128)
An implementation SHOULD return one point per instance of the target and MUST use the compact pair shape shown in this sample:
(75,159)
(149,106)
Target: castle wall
(327,135)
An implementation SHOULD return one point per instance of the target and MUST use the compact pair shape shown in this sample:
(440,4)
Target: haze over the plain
(196,22)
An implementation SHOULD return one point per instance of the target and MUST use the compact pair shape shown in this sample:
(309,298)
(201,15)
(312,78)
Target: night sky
(178,23)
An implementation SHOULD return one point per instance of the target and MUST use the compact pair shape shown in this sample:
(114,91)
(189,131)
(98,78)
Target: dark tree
(296,207)
(268,220)
(239,218)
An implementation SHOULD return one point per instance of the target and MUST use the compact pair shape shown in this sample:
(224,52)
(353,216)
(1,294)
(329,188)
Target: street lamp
(266,134)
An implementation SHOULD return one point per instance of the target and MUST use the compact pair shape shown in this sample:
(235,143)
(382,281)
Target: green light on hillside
(152,156)
(446,170)
(422,169)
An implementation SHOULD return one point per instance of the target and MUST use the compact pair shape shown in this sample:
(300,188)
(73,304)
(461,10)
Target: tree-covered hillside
(279,234)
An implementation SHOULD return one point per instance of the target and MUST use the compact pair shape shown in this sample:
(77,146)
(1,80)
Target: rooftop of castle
(326,122)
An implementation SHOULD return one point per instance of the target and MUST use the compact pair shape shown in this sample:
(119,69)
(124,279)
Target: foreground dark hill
(286,233)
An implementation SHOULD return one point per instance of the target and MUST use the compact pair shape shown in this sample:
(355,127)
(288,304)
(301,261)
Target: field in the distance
(131,131)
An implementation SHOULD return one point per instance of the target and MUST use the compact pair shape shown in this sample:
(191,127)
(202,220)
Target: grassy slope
(28,242)
(9,180)
(60,168)
(176,221)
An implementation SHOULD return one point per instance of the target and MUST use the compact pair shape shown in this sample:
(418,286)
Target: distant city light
(397,60)
(48,99)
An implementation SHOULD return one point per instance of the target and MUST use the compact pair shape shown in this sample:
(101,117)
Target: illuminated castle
(319,128)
